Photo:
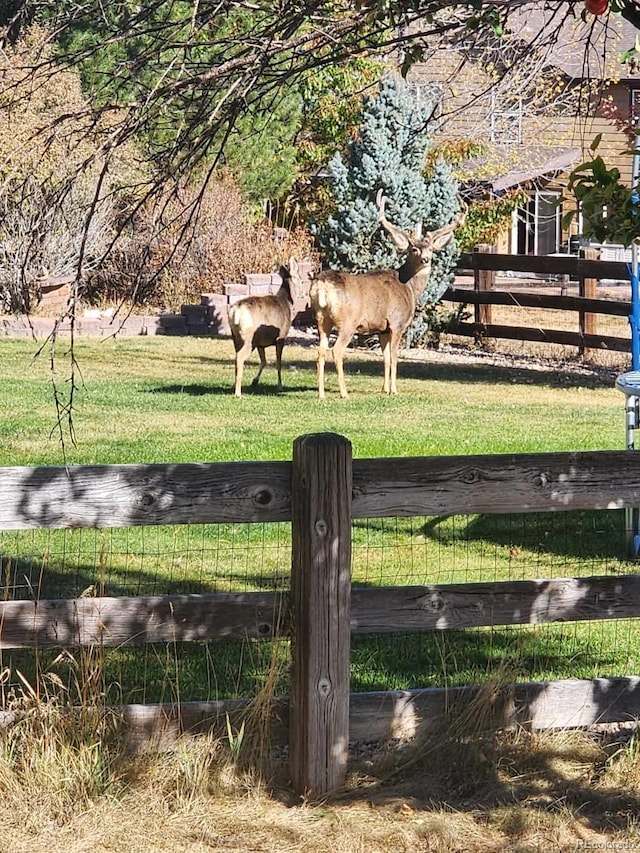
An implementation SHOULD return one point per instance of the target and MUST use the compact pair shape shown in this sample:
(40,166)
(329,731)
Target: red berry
(597,7)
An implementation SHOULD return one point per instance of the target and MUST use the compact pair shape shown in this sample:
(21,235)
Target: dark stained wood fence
(320,492)
(586,271)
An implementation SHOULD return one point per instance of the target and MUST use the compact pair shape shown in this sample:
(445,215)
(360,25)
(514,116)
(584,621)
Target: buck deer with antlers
(264,321)
(382,302)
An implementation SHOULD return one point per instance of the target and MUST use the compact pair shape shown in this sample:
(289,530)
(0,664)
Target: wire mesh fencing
(487,549)
(240,558)
(149,561)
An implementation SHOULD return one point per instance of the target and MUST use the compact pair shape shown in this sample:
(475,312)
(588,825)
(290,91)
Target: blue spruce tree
(389,154)
(442,204)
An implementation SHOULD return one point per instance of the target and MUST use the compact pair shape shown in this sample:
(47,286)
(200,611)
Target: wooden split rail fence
(586,271)
(320,491)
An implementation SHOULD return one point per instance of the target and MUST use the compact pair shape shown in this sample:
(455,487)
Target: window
(635,104)
(536,227)
(428,96)
(505,119)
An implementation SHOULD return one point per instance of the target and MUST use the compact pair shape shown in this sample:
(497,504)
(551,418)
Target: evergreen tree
(258,142)
(442,203)
(389,154)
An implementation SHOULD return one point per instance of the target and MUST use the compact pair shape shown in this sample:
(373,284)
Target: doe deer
(382,302)
(264,321)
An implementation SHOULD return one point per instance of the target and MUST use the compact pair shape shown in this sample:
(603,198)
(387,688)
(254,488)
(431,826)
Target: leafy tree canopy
(216,66)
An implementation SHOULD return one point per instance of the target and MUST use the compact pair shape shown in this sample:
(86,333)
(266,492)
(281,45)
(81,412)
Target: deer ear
(440,239)
(400,238)
(293,265)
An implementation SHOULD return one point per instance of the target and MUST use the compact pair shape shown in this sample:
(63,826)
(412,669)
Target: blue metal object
(634,318)
(629,384)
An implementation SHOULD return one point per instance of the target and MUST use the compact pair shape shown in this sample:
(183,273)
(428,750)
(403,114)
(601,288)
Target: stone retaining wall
(39,328)
(210,317)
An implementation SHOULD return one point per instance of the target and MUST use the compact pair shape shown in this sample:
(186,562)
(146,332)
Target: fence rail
(568,265)
(484,265)
(320,492)
(218,492)
(137,620)
(569,703)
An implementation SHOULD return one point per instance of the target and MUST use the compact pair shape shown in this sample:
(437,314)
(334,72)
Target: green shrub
(192,242)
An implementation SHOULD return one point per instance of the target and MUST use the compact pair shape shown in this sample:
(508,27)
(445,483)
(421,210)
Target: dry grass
(67,782)
(516,792)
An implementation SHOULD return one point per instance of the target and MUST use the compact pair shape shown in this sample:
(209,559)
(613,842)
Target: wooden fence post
(588,287)
(320,613)
(483,280)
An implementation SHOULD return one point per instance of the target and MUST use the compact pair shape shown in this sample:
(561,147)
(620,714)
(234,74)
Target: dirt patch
(542,358)
(460,353)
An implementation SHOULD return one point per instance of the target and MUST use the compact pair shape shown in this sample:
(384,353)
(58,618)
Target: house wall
(614,146)
(466,114)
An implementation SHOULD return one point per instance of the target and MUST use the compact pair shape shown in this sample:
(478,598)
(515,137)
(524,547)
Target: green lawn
(169,399)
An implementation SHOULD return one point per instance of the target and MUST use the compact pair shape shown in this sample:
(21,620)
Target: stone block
(218,318)
(252,278)
(151,326)
(173,322)
(89,326)
(154,326)
(54,295)
(263,289)
(235,289)
(196,315)
(132,326)
(236,297)
(214,300)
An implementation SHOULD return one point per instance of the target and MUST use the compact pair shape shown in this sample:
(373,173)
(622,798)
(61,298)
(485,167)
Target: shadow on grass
(359,362)
(516,374)
(472,656)
(264,389)
(524,785)
(586,541)
(25,579)
(594,536)
(589,536)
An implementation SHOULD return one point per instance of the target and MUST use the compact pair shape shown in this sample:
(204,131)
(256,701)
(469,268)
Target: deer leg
(385,338)
(279,348)
(323,346)
(394,347)
(339,347)
(242,354)
(263,364)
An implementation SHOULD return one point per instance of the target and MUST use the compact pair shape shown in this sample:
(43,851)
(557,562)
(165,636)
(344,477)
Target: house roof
(557,162)
(582,49)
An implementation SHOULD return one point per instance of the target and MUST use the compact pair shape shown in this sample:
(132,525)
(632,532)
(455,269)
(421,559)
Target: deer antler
(461,216)
(401,238)
(457,221)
